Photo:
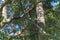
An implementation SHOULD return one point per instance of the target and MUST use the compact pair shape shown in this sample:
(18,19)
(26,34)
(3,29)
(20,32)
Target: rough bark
(3,11)
(5,2)
(4,14)
(40,18)
(40,14)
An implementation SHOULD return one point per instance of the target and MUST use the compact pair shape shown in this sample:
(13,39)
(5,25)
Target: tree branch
(28,9)
(5,3)
(23,16)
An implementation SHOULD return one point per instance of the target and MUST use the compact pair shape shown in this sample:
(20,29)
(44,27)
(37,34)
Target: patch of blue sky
(17,27)
(8,28)
(54,3)
(25,4)
(11,34)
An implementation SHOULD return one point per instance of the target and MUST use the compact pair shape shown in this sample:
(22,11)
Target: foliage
(52,21)
(1,19)
(56,7)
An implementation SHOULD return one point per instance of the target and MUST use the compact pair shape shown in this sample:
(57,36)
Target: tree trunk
(4,10)
(4,14)
(40,14)
(40,17)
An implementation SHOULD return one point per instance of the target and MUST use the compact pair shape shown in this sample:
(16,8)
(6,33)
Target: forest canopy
(29,19)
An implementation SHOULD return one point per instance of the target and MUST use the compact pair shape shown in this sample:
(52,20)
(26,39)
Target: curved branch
(5,3)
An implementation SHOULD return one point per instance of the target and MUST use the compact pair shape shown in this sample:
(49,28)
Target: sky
(54,3)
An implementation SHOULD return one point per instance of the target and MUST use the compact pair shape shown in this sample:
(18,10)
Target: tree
(35,20)
(40,14)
